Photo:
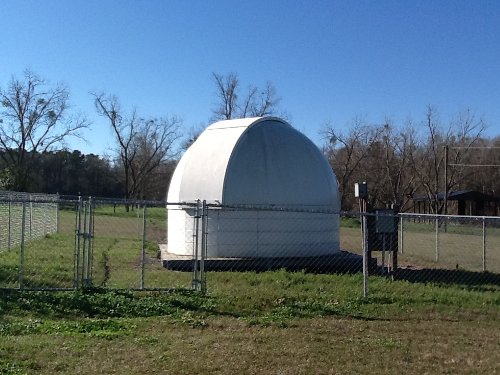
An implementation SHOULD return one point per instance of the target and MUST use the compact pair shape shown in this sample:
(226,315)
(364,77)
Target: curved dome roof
(254,161)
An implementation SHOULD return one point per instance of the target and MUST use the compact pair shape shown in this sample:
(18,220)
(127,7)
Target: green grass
(117,255)
(251,323)
(271,322)
(460,247)
(349,222)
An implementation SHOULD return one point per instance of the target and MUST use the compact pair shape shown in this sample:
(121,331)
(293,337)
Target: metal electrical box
(383,230)
(385,221)
(361,190)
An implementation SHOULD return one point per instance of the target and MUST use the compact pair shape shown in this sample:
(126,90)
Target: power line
(475,147)
(475,165)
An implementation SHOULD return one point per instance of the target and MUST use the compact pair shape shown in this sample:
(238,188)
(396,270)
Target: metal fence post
(401,237)
(88,234)
(91,239)
(364,246)
(31,215)
(45,218)
(143,254)
(204,237)
(484,244)
(9,235)
(437,239)
(57,213)
(196,229)
(84,249)
(78,222)
(21,260)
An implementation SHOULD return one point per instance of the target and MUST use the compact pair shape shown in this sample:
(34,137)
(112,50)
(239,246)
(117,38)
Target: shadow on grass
(481,281)
(342,263)
(102,303)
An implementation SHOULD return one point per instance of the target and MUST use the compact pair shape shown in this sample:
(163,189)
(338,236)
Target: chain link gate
(200,245)
(84,245)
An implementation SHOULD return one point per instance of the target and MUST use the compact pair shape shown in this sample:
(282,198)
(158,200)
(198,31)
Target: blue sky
(329,60)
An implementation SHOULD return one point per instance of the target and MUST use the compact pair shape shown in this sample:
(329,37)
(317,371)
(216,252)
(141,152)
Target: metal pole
(204,225)
(45,213)
(91,239)
(9,240)
(401,231)
(85,252)
(196,229)
(143,254)
(364,248)
(21,260)
(446,187)
(31,216)
(78,225)
(75,253)
(57,213)
(484,244)
(437,239)
(89,244)
(383,253)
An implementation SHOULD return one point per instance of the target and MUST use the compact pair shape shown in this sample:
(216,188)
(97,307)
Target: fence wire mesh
(41,216)
(85,243)
(421,248)
(467,244)
(74,242)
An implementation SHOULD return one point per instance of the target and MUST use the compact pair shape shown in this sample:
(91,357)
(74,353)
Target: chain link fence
(98,243)
(67,243)
(468,245)
(417,248)
(40,212)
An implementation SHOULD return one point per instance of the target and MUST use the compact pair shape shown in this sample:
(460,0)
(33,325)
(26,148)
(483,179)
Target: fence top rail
(436,216)
(26,200)
(136,202)
(306,208)
(15,196)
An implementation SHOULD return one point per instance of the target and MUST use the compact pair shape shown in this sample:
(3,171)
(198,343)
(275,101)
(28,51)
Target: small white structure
(261,162)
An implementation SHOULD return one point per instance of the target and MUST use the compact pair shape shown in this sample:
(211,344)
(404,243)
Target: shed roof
(462,195)
(259,161)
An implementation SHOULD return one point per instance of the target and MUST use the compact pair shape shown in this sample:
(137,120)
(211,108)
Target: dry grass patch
(228,346)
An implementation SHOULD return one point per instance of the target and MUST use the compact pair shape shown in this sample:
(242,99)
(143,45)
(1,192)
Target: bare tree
(34,118)
(428,162)
(142,144)
(255,103)
(124,129)
(227,88)
(398,150)
(153,146)
(348,155)
(192,135)
(480,165)
(259,103)
(397,164)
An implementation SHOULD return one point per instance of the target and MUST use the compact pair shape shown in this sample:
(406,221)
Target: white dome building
(256,162)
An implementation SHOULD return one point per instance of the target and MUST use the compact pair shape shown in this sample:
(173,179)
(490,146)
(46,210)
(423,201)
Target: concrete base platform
(343,262)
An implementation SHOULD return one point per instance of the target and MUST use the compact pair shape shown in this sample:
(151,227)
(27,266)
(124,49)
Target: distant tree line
(398,161)
(402,162)
(73,173)
(36,123)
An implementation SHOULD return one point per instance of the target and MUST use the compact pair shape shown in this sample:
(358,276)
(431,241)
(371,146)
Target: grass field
(250,323)
(117,248)
(460,247)
(117,254)
(255,323)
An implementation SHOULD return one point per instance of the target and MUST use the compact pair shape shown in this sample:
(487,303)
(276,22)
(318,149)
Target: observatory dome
(258,162)
(254,161)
